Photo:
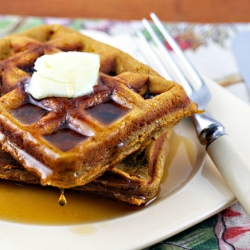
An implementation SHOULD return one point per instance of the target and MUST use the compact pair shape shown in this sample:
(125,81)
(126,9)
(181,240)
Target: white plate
(199,193)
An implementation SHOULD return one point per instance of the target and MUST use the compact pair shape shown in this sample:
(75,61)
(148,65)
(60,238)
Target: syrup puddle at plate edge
(28,204)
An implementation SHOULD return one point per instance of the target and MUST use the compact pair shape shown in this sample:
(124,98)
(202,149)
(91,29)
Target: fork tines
(170,65)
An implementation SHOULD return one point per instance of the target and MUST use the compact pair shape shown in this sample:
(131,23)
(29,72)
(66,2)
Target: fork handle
(233,166)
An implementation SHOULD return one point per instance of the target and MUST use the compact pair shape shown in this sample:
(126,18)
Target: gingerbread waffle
(135,180)
(71,142)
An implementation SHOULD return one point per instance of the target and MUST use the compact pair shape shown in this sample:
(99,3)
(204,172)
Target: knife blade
(241,49)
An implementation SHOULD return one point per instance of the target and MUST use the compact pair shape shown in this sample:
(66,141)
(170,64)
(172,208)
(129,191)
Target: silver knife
(241,49)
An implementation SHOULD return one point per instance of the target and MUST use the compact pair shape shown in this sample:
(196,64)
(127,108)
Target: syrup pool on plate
(33,204)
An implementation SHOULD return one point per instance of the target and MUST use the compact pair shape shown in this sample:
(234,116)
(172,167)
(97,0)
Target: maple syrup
(62,199)
(28,113)
(185,157)
(30,69)
(107,112)
(33,204)
(65,138)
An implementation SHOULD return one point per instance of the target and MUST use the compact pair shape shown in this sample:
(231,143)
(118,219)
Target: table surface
(168,10)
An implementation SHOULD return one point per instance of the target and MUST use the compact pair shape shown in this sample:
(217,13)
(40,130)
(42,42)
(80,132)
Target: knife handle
(233,166)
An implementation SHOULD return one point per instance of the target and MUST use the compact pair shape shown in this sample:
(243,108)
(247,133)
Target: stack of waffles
(112,142)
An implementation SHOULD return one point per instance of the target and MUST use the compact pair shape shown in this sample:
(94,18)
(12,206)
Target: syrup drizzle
(65,138)
(28,113)
(62,199)
(107,112)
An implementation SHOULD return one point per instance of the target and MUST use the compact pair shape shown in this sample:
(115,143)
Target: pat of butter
(64,74)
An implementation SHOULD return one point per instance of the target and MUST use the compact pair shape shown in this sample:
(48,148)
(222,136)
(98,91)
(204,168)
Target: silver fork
(226,156)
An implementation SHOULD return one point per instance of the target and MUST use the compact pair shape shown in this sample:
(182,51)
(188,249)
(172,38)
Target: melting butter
(64,74)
